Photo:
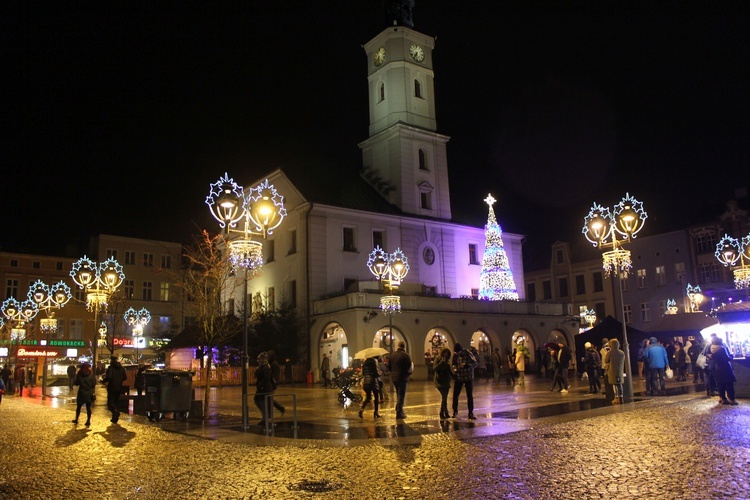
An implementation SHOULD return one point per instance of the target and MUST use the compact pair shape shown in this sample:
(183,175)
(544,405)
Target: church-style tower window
(425,195)
(417,89)
(382,92)
(425,200)
(422,160)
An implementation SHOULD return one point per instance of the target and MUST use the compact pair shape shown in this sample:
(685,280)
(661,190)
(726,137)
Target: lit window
(642,278)
(164,292)
(661,276)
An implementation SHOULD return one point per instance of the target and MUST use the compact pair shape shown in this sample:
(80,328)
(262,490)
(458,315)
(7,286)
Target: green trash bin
(168,391)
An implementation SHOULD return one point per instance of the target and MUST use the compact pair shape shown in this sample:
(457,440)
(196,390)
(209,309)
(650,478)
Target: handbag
(701,361)
(669,373)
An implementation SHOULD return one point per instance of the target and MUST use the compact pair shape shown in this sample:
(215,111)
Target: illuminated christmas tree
(496,281)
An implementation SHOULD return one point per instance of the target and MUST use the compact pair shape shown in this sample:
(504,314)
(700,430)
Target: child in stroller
(345,381)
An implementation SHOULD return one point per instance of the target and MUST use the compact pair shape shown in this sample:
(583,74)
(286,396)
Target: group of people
(607,363)
(15,380)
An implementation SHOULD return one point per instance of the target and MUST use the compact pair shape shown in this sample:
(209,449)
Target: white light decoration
(733,252)
(99,281)
(17,312)
(671,306)
(610,229)
(695,294)
(262,210)
(137,320)
(390,304)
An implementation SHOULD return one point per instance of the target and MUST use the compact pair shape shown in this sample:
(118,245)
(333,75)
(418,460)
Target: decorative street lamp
(18,314)
(260,212)
(137,321)
(695,296)
(99,281)
(735,253)
(47,298)
(605,229)
(390,270)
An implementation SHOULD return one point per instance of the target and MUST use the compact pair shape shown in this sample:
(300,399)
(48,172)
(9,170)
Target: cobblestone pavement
(683,446)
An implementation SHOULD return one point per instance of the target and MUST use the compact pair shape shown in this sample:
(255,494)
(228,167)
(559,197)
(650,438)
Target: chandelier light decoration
(19,313)
(391,271)
(47,298)
(735,253)
(261,210)
(695,295)
(137,320)
(672,306)
(99,281)
(619,225)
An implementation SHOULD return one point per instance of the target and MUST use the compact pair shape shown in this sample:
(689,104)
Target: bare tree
(207,277)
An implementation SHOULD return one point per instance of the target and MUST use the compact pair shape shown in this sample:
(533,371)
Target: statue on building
(399,13)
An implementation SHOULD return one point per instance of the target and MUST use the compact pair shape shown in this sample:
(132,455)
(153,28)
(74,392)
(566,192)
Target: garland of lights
(496,280)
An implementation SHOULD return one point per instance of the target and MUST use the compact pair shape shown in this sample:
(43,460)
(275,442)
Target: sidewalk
(322,420)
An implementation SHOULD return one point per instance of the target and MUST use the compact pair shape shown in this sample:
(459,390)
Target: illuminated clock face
(379,57)
(416,52)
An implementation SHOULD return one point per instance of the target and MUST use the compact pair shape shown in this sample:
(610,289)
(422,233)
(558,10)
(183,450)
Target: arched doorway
(334,344)
(388,338)
(435,341)
(523,340)
(481,342)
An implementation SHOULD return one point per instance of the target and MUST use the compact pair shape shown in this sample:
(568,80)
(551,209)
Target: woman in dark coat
(723,371)
(86,383)
(615,361)
(443,376)
(680,362)
(370,385)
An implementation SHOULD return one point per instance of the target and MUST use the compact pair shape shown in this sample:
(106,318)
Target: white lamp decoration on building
(695,295)
(733,252)
(671,306)
(261,210)
(390,270)
(137,321)
(99,281)
(610,229)
(47,298)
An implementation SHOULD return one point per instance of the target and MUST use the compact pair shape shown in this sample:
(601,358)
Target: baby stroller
(346,381)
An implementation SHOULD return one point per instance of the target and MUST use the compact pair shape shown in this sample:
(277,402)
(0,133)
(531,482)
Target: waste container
(168,391)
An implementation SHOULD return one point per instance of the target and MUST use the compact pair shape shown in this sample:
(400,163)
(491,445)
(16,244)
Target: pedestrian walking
(693,352)
(86,382)
(497,364)
(114,377)
(275,377)
(443,377)
(641,357)
(592,362)
(520,364)
(510,364)
(2,389)
(401,367)
(656,355)
(19,378)
(564,356)
(608,391)
(616,369)
(712,387)
(263,386)
(463,365)
(71,376)
(6,374)
(325,370)
(382,372)
(554,366)
(723,371)
(370,378)
(680,362)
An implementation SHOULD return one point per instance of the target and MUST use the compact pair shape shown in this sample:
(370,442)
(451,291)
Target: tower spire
(399,12)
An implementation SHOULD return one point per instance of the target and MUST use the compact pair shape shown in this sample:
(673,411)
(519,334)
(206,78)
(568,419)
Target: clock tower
(404,157)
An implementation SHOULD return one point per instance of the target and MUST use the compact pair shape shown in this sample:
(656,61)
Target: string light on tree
(496,281)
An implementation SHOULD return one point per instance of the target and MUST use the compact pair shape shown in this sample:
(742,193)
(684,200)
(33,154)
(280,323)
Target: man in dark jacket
(401,368)
(693,351)
(263,386)
(463,365)
(114,377)
(564,356)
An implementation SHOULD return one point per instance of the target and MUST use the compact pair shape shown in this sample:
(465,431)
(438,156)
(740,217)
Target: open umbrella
(370,352)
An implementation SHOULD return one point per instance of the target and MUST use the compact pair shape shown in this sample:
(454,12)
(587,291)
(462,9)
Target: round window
(429,256)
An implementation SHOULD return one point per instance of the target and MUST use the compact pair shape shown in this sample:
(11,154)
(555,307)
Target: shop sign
(37,352)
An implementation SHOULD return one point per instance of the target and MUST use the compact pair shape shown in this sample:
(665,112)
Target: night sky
(118,115)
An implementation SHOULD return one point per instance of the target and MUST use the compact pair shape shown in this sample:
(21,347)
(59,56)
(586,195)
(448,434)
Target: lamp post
(260,212)
(18,314)
(47,298)
(99,281)
(610,229)
(390,270)
(735,254)
(137,321)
